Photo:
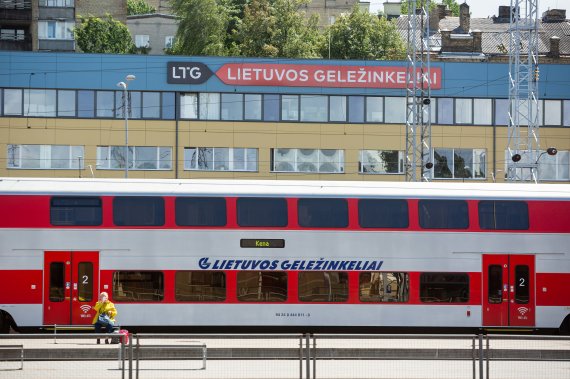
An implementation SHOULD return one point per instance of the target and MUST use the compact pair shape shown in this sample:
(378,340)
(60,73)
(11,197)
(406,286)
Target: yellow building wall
(264,136)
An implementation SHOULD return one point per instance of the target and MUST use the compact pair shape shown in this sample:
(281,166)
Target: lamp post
(124,85)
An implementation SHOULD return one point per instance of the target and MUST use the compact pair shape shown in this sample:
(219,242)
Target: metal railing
(303,356)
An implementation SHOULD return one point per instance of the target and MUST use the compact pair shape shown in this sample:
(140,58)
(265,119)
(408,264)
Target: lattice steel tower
(418,108)
(522,156)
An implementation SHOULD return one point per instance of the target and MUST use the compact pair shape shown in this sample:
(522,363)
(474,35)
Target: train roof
(292,188)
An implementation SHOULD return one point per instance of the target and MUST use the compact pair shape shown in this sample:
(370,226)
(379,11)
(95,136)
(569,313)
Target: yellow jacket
(108,308)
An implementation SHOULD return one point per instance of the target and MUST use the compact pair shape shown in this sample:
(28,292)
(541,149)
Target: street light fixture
(124,85)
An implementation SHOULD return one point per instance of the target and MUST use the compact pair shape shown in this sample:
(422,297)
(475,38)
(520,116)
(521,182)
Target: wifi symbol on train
(523,310)
(85,308)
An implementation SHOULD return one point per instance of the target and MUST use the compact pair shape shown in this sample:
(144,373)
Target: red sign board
(296,75)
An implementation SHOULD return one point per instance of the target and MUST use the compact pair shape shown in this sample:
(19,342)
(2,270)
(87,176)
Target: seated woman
(105,316)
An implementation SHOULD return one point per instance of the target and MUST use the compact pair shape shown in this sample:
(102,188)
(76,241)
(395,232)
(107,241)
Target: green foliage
(202,28)
(451,4)
(107,35)
(361,35)
(139,7)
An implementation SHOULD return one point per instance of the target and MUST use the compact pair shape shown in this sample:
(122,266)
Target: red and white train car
(285,255)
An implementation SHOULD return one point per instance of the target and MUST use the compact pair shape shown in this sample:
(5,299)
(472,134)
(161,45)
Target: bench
(56,327)
(14,348)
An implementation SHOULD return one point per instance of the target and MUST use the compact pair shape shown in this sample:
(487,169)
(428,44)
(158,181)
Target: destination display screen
(262,243)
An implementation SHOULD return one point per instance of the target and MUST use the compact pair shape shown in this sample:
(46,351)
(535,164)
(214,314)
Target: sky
(485,8)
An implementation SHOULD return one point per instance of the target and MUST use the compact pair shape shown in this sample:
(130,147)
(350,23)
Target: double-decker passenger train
(285,255)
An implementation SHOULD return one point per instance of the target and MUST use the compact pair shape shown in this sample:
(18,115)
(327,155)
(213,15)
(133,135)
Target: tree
(107,36)
(451,5)
(139,7)
(361,35)
(275,28)
(202,28)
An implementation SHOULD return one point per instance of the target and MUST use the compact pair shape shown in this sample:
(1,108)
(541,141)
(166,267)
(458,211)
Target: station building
(62,115)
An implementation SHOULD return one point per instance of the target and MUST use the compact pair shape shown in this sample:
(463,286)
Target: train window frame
(364,207)
(425,214)
(200,290)
(157,202)
(304,296)
(519,220)
(248,205)
(218,204)
(59,208)
(382,289)
(335,219)
(464,292)
(120,293)
(242,297)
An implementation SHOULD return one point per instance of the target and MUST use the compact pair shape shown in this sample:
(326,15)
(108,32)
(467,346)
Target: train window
(262,286)
(83,211)
(138,211)
(522,285)
(323,213)
(380,213)
(200,286)
(200,211)
(497,215)
(56,281)
(495,281)
(326,286)
(384,287)
(85,283)
(260,211)
(443,214)
(443,287)
(138,286)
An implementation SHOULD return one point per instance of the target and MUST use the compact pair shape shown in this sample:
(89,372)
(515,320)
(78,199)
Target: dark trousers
(103,328)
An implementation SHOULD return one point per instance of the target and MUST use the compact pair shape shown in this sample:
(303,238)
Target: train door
(71,285)
(508,290)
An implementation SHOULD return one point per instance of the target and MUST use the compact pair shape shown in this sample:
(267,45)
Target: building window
(168,105)
(289,107)
(151,104)
(252,107)
(322,213)
(232,106)
(12,102)
(445,111)
(85,104)
(262,286)
(39,103)
(308,160)
(189,105)
(395,109)
(337,108)
(168,42)
(220,159)
(105,104)
(314,108)
(327,286)
(72,211)
(383,213)
(200,211)
(501,111)
(200,286)
(381,162)
(271,107)
(356,109)
(62,30)
(374,109)
(554,167)
(566,111)
(463,111)
(138,211)
(378,287)
(444,287)
(503,215)
(443,214)
(209,106)
(483,111)
(261,211)
(459,163)
(53,157)
(12,34)
(552,112)
(140,158)
(66,103)
(57,3)
(138,286)
(142,41)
